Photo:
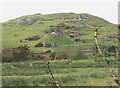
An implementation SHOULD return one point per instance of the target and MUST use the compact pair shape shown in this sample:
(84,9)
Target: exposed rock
(48,45)
(72,34)
(39,45)
(21,41)
(109,37)
(38,14)
(63,18)
(48,51)
(77,28)
(77,40)
(27,20)
(38,23)
(83,16)
(59,27)
(46,31)
(54,34)
(48,19)
(73,21)
(60,16)
(39,57)
(33,38)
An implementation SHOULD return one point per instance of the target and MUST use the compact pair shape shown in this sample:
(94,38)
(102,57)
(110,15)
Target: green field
(60,40)
(66,72)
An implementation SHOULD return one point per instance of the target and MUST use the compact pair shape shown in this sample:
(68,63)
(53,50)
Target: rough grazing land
(62,36)
(67,73)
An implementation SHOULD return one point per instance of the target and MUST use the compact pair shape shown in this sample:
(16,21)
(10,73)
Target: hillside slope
(25,29)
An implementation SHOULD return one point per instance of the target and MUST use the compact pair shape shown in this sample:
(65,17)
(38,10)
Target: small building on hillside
(54,34)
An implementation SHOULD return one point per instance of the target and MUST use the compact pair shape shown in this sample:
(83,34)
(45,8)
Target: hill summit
(31,30)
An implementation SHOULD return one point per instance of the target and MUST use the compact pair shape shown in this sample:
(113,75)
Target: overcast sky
(107,9)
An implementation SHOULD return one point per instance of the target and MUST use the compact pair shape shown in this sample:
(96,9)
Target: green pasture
(66,72)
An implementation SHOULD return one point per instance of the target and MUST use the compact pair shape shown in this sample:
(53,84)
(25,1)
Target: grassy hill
(69,60)
(59,40)
(18,29)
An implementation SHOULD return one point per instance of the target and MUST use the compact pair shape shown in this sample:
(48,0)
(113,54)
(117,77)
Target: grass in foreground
(67,73)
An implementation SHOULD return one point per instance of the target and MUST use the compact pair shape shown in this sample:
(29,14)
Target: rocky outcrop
(33,38)
(37,14)
(83,16)
(61,26)
(38,23)
(73,21)
(27,20)
(39,45)
(47,45)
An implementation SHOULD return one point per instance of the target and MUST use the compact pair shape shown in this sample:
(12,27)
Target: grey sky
(105,9)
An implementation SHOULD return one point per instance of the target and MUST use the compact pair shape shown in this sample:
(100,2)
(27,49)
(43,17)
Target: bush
(68,53)
(107,50)
(20,53)
(78,55)
(7,55)
(52,55)
(48,45)
(63,55)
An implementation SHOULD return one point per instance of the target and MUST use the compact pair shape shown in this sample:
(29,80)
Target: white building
(54,34)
